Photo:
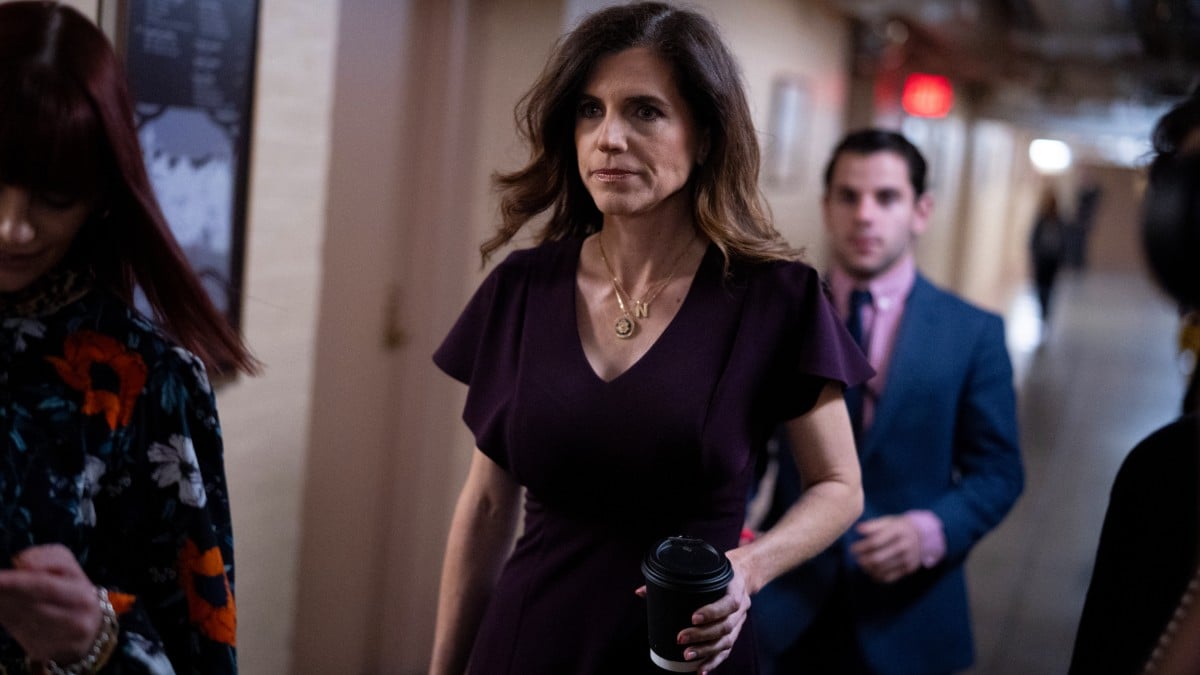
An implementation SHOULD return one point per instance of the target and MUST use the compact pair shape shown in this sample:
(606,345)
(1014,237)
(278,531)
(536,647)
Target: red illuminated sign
(927,95)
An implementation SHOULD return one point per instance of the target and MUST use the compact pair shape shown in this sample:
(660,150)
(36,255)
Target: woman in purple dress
(625,373)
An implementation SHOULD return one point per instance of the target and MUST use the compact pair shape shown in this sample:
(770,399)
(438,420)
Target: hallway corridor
(1103,376)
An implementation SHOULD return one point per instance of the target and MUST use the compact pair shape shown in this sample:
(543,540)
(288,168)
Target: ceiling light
(1050,156)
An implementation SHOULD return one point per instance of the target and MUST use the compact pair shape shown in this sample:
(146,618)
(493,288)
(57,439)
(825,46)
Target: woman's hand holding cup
(696,604)
(716,626)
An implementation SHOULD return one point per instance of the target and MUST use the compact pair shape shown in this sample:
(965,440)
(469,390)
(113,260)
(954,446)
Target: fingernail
(689,655)
(697,618)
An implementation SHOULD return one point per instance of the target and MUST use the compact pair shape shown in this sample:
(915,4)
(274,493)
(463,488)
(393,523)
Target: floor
(1099,377)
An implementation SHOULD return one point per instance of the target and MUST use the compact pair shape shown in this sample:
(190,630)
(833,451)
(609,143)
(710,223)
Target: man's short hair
(870,141)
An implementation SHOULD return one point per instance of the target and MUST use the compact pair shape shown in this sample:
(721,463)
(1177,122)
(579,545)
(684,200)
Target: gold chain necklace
(626,325)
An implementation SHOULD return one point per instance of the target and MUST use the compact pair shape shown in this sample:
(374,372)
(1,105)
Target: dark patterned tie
(854,395)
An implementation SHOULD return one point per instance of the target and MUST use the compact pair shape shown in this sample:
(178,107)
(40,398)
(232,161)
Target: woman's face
(635,136)
(36,231)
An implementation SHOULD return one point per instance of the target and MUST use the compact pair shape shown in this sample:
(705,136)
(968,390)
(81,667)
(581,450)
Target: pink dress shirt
(880,322)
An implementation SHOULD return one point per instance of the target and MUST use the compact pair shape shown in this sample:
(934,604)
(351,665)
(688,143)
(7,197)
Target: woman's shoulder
(107,328)
(777,278)
(545,260)
(524,260)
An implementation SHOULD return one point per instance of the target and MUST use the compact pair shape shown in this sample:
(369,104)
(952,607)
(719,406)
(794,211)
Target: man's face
(871,213)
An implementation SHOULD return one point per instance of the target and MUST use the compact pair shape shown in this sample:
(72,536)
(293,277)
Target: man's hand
(890,548)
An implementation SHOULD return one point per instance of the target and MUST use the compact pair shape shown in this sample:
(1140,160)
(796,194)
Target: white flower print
(197,368)
(177,464)
(22,328)
(88,484)
(148,654)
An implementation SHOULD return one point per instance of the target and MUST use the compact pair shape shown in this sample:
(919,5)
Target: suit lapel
(908,356)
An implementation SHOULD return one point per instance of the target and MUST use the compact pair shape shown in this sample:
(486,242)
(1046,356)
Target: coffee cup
(682,575)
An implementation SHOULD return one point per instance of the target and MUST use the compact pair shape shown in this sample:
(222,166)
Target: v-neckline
(654,346)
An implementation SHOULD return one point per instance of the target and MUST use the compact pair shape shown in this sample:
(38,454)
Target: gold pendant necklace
(626,325)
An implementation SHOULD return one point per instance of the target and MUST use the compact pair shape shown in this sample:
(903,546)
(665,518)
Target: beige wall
(987,220)
(88,7)
(784,38)
(342,563)
(945,144)
(265,419)
(1115,243)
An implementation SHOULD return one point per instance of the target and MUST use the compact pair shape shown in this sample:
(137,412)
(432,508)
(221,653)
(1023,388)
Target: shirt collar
(888,290)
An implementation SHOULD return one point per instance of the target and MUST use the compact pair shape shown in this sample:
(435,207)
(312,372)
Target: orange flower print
(121,602)
(86,349)
(209,598)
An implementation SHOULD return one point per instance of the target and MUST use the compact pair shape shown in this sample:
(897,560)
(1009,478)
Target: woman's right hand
(48,604)
(718,625)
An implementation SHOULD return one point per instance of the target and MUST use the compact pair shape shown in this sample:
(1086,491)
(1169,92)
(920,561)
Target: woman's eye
(589,109)
(648,112)
(55,200)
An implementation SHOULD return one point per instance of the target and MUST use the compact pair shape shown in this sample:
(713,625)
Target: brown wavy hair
(67,127)
(728,206)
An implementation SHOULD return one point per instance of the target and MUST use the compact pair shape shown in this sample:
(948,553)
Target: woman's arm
(481,532)
(825,454)
(823,445)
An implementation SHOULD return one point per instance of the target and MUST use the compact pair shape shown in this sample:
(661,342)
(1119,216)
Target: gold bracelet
(102,648)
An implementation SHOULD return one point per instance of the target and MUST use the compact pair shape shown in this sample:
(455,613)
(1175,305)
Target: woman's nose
(612,135)
(15,227)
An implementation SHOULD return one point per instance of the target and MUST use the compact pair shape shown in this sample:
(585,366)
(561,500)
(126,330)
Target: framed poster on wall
(191,71)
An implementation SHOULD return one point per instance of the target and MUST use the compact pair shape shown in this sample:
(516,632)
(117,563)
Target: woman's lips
(17,258)
(611,174)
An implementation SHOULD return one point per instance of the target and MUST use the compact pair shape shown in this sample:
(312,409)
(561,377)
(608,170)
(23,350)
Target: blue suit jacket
(943,438)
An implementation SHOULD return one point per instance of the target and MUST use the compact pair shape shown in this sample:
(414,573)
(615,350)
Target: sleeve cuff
(929,533)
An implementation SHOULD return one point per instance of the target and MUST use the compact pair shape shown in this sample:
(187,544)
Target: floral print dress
(110,445)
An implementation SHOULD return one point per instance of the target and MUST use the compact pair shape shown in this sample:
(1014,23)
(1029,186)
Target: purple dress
(666,448)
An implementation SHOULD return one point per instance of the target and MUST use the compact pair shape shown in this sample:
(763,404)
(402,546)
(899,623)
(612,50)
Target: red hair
(67,126)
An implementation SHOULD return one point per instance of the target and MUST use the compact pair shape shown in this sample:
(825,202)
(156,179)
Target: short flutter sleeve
(483,348)
(789,311)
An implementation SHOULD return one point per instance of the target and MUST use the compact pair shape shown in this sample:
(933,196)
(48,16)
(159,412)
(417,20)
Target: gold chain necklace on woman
(626,325)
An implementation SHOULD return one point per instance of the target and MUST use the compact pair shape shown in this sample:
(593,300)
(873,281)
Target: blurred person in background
(116,551)
(1087,204)
(937,439)
(1047,249)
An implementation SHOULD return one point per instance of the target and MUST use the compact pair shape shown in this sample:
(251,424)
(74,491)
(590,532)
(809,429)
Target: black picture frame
(191,67)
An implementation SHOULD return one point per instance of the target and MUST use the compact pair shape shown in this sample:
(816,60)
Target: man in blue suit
(937,437)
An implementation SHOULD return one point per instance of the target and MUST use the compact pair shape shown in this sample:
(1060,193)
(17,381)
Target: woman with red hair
(115,537)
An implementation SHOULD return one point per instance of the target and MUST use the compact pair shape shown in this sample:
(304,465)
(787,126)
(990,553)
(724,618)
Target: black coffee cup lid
(687,563)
